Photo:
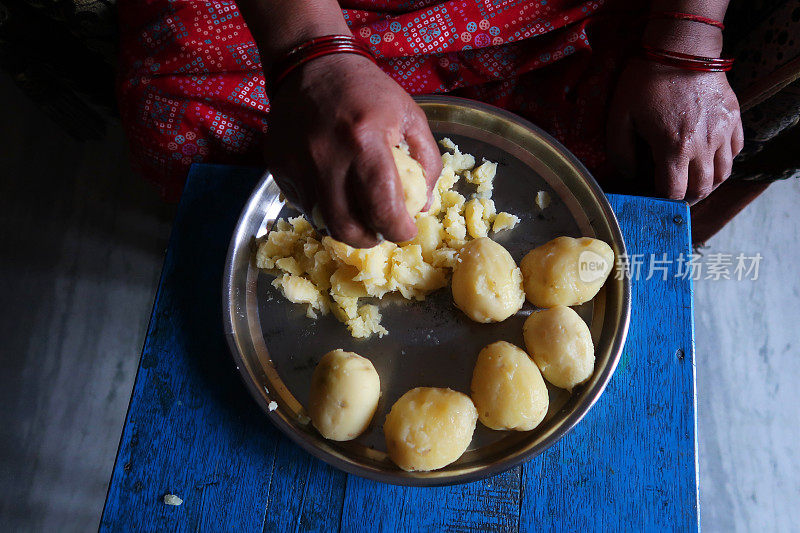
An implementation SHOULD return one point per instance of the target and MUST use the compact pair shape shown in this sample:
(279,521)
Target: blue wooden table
(193,431)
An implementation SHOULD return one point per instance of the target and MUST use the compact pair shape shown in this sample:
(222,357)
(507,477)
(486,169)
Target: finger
(701,179)
(671,174)
(737,139)
(621,141)
(723,161)
(379,193)
(340,219)
(422,147)
(289,191)
(296,194)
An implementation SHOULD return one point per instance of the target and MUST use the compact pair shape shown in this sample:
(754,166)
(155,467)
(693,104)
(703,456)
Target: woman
(192,89)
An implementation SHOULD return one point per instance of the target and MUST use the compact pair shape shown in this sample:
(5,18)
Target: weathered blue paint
(192,430)
(630,465)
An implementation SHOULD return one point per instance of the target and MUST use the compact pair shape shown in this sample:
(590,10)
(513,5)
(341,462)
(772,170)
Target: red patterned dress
(191,87)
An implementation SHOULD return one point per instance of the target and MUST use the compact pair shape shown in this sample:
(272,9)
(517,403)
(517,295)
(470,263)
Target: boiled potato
(429,428)
(415,188)
(561,346)
(504,221)
(453,199)
(458,161)
(477,225)
(301,291)
(343,283)
(366,322)
(455,227)
(566,271)
(412,276)
(430,234)
(508,389)
(344,395)
(487,284)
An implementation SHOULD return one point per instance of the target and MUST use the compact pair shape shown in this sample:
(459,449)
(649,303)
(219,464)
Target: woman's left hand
(690,120)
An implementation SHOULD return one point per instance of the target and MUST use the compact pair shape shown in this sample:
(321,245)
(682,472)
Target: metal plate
(430,343)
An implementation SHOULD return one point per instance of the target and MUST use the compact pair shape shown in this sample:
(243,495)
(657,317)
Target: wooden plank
(631,463)
(192,429)
(487,505)
(305,495)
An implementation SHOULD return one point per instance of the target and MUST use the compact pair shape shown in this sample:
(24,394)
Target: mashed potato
(415,188)
(326,275)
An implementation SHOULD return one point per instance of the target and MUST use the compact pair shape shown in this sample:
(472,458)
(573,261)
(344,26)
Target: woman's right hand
(331,127)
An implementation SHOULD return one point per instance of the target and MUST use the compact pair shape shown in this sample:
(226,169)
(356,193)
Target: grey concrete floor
(748,366)
(81,246)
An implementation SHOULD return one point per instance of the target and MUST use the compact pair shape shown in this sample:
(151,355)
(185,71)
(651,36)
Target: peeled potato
(566,271)
(508,389)
(344,395)
(429,428)
(430,235)
(415,188)
(487,284)
(561,346)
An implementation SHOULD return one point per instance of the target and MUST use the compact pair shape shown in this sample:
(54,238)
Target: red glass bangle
(305,52)
(687,61)
(687,16)
(700,60)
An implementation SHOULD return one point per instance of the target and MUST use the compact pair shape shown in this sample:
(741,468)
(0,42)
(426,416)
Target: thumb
(422,147)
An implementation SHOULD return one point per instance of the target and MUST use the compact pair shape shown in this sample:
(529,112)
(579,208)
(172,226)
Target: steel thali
(430,343)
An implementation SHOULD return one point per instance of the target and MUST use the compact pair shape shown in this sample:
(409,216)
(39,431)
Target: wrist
(304,33)
(272,51)
(331,66)
(278,26)
(684,36)
(323,73)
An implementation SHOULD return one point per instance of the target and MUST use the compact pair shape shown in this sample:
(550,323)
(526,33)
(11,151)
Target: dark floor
(81,247)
